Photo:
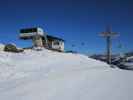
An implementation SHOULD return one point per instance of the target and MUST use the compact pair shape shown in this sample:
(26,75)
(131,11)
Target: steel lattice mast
(108,34)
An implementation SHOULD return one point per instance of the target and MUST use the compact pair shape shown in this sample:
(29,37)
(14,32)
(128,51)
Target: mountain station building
(41,39)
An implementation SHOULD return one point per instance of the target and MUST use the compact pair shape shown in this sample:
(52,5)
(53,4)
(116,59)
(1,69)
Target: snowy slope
(47,75)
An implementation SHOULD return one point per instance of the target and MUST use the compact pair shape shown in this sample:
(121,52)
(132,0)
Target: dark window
(56,43)
(28,30)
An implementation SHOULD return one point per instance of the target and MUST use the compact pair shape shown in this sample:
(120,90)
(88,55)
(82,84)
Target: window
(56,43)
(28,30)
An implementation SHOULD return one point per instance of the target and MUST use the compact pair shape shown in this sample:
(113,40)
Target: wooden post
(109,50)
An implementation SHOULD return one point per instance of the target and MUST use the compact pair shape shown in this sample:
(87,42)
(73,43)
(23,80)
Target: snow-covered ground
(47,75)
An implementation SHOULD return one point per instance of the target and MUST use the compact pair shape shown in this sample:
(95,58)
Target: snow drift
(48,75)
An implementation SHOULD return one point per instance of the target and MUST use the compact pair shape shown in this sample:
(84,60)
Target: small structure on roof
(41,39)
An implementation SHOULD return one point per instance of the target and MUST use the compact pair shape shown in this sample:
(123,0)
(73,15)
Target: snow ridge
(48,75)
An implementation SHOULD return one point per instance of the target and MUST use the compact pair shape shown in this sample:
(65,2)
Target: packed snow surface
(48,75)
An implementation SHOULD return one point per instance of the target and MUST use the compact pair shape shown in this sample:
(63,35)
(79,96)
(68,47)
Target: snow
(48,75)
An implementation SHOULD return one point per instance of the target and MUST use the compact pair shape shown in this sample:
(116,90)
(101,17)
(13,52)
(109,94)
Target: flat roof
(29,36)
(54,38)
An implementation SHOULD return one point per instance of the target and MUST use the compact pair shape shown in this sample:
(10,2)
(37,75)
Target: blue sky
(76,21)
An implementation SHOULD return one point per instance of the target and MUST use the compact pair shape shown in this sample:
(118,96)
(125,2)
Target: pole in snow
(108,34)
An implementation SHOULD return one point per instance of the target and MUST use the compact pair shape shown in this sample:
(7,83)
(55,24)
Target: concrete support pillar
(37,41)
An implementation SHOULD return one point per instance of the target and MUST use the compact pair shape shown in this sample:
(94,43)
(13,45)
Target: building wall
(59,45)
(62,46)
(54,44)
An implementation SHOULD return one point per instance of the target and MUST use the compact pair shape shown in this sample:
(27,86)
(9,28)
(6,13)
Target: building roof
(54,38)
(30,36)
